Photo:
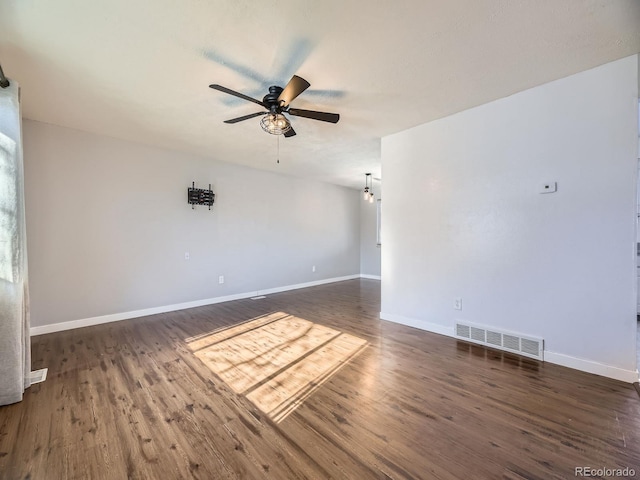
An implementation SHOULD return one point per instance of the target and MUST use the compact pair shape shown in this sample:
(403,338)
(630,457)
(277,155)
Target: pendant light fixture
(368,188)
(4,81)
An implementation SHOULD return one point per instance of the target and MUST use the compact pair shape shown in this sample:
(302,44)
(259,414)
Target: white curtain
(15,347)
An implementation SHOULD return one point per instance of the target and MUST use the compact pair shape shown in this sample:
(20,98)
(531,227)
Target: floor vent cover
(38,376)
(509,341)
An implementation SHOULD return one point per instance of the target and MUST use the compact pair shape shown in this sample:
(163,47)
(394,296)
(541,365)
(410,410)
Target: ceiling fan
(276,102)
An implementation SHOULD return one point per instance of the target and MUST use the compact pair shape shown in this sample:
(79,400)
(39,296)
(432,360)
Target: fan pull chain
(278,140)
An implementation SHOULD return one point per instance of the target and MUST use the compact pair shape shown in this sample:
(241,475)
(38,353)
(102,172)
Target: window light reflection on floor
(276,360)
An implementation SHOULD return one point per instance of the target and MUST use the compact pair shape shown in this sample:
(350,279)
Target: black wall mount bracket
(200,196)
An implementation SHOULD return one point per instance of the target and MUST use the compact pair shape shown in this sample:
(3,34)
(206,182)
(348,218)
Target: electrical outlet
(187,256)
(548,187)
(221,279)
(457,303)
(313,269)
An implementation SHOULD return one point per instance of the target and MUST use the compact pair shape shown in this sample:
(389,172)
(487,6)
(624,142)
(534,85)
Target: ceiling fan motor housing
(270,100)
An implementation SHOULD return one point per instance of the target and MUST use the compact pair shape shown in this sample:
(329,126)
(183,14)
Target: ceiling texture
(140,69)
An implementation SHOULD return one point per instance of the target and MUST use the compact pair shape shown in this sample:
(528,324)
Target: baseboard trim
(370,277)
(315,283)
(116,317)
(589,366)
(415,323)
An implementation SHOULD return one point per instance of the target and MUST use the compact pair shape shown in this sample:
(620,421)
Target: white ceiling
(140,69)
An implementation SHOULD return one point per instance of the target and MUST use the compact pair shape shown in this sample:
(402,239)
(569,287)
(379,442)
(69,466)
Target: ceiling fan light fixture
(275,123)
(276,102)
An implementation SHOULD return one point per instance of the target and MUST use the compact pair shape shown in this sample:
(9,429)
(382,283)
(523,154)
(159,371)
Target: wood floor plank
(272,389)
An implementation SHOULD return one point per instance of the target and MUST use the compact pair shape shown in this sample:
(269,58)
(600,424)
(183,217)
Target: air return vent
(509,341)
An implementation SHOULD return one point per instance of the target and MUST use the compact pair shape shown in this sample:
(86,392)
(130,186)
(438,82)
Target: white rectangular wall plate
(457,303)
(548,187)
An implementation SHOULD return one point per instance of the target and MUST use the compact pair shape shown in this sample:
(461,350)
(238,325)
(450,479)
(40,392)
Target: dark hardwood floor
(319,389)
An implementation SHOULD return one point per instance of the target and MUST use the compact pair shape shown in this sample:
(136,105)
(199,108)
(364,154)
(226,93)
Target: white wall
(108,226)
(463,218)
(369,250)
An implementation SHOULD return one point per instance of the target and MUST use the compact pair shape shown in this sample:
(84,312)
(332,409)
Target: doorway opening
(638,252)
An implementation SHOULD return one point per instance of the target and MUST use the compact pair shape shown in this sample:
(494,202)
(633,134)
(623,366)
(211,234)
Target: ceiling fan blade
(235,94)
(290,133)
(295,87)
(322,116)
(246,117)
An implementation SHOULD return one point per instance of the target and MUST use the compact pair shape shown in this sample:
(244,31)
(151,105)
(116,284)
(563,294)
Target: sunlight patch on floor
(277,360)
